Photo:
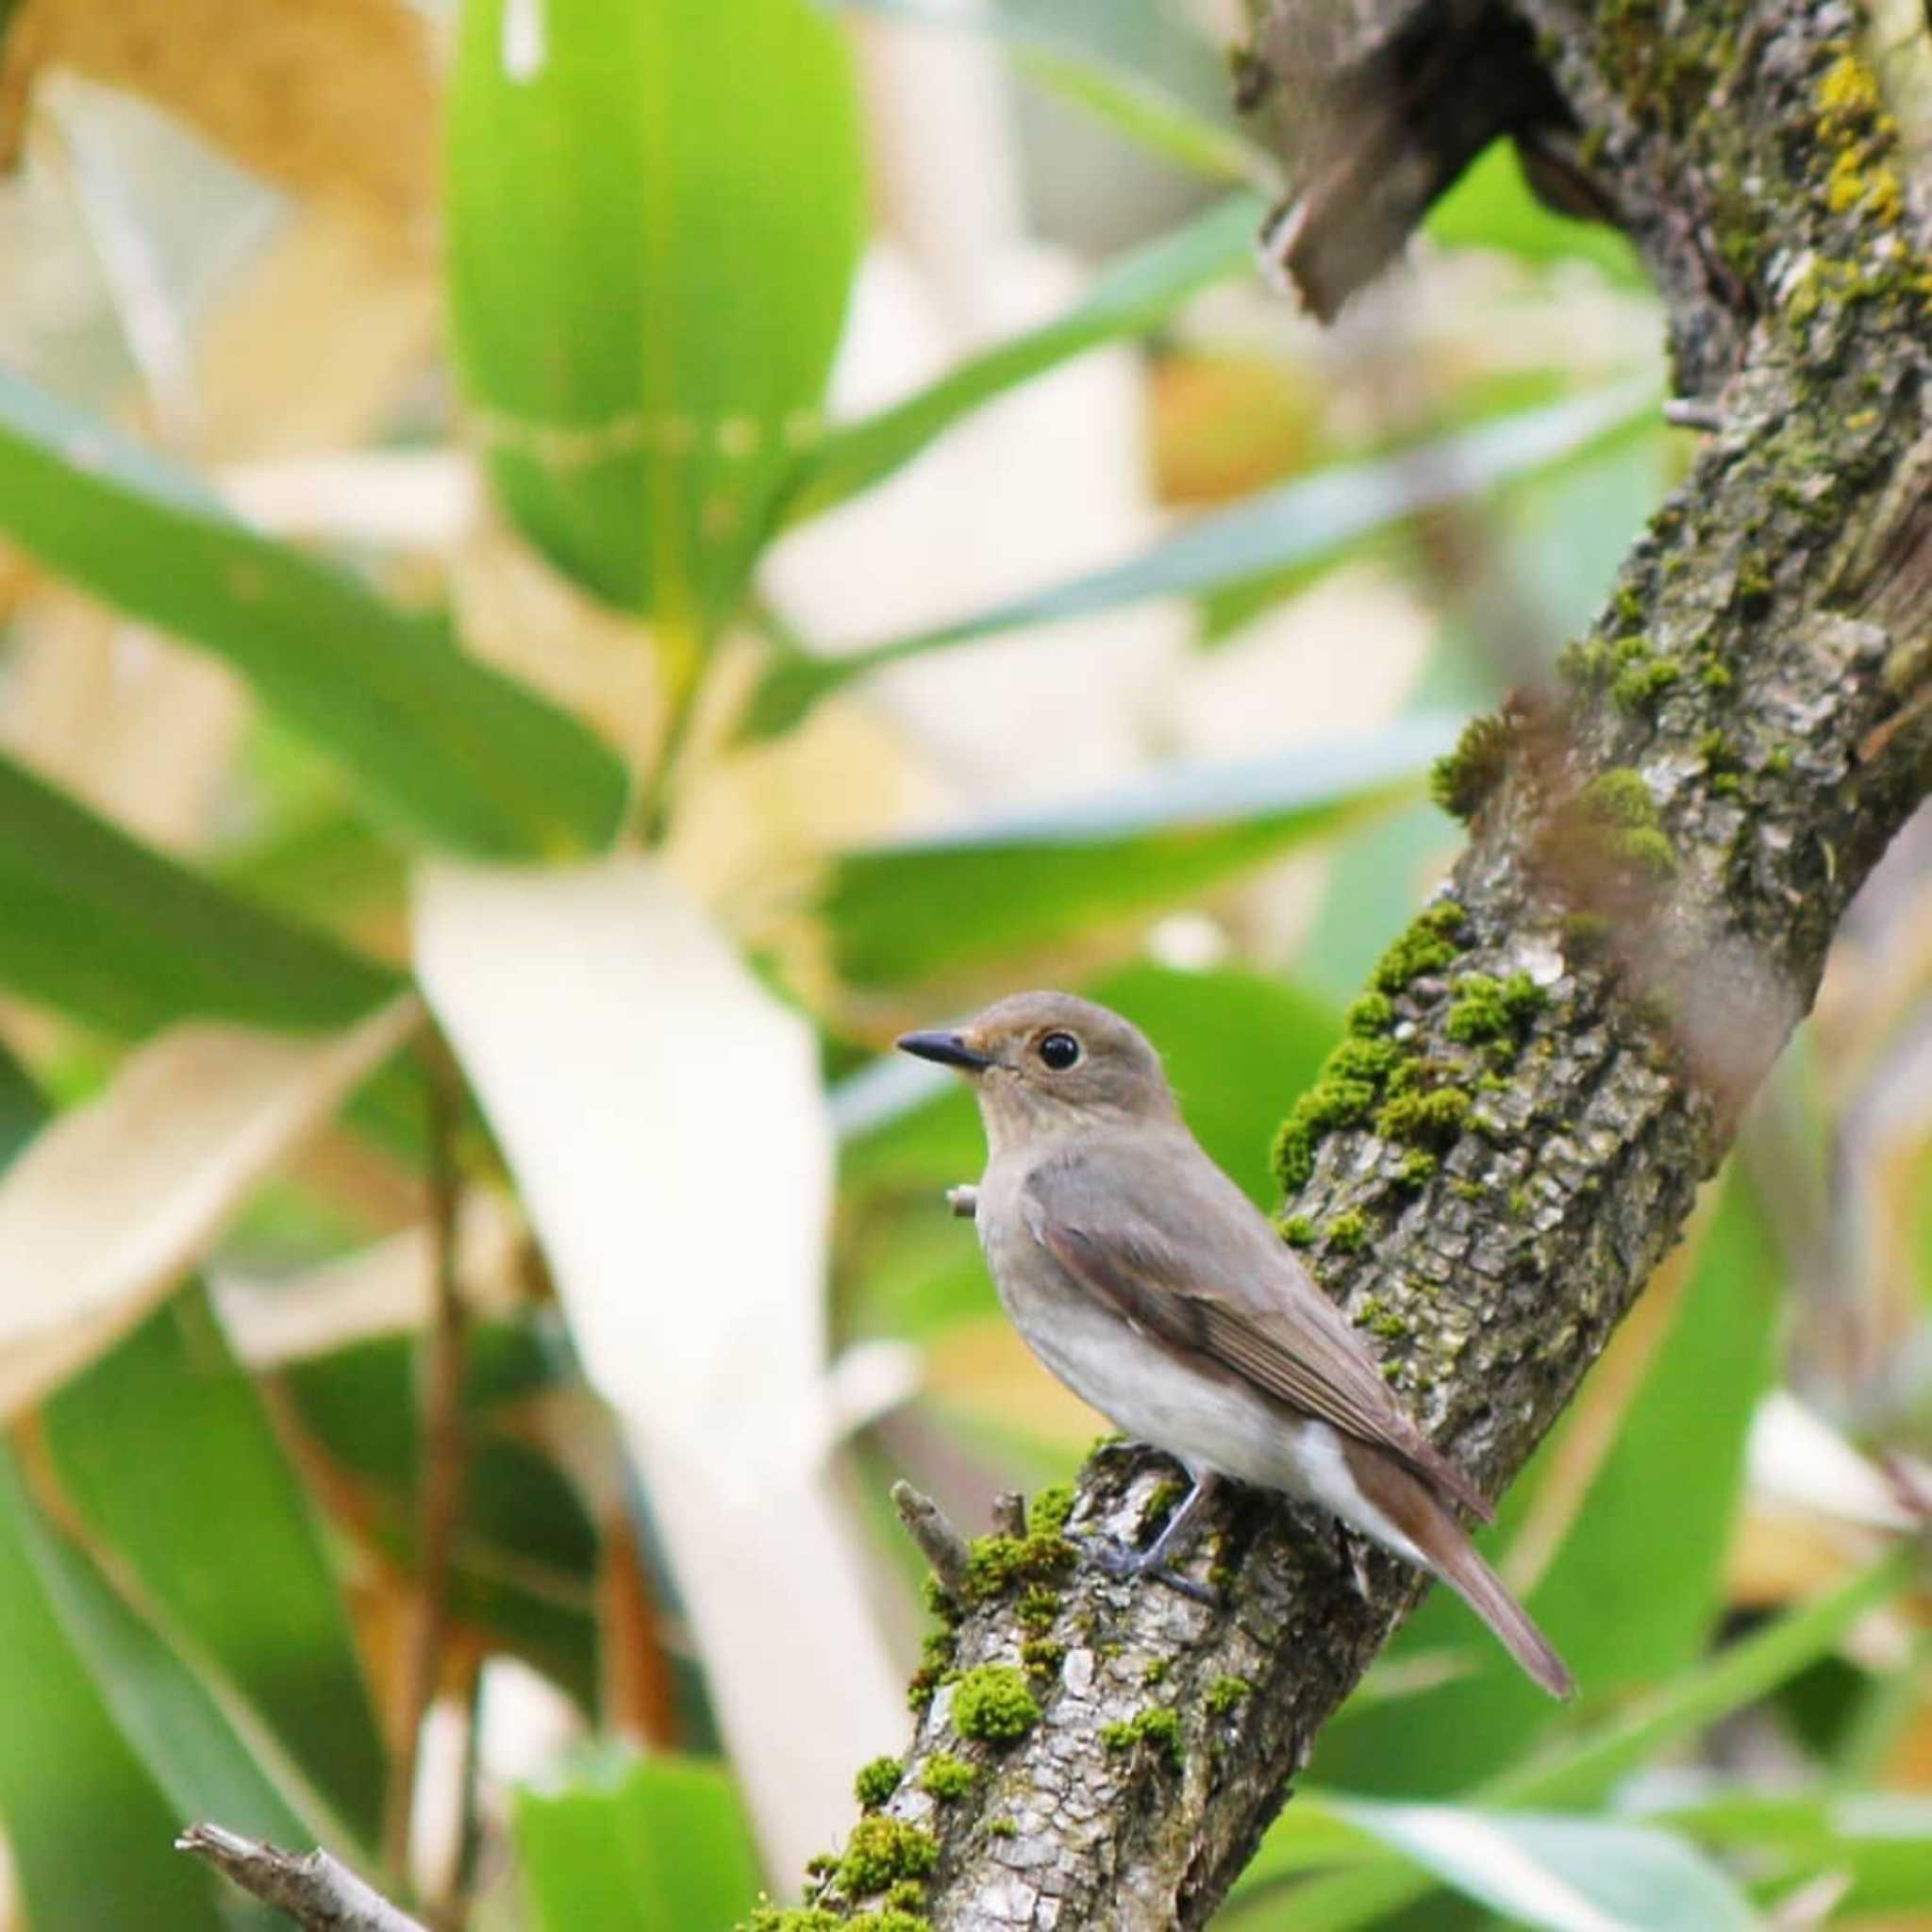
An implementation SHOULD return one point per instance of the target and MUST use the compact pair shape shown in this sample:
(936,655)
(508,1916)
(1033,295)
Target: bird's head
(1048,1063)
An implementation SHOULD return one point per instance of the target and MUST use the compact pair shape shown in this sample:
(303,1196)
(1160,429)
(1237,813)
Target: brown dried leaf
(328,98)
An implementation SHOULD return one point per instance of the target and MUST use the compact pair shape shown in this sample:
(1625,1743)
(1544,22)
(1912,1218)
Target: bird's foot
(1121,1562)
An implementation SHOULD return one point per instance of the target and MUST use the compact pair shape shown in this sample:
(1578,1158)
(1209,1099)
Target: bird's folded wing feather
(1135,1242)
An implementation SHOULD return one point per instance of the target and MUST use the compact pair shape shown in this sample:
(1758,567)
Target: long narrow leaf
(658,1848)
(1562,1875)
(1881,1841)
(1127,300)
(1141,63)
(165,1452)
(212,1753)
(88,1829)
(116,1199)
(98,926)
(433,740)
(903,912)
(666,1124)
(1584,1772)
(655,211)
(1302,521)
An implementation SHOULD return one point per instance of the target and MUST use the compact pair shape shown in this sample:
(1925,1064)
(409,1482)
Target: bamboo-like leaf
(96,924)
(1142,64)
(903,912)
(1582,1772)
(655,1845)
(67,1776)
(1315,516)
(434,741)
(164,1452)
(1880,1841)
(1127,299)
(655,211)
(207,1749)
(114,1200)
(664,1118)
(1561,1874)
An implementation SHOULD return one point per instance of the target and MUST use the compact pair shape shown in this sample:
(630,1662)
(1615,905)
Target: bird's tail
(1456,1561)
(1395,1499)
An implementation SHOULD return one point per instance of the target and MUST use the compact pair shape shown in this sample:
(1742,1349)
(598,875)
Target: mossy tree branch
(1661,852)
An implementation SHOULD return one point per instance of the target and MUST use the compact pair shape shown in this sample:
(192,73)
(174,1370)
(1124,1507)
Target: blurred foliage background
(570,568)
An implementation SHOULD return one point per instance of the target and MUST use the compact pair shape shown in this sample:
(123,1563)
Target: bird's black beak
(948,1049)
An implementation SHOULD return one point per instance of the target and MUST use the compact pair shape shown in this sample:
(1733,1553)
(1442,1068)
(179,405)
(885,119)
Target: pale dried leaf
(314,342)
(381,1290)
(128,721)
(532,621)
(1797,1461)
(113,1202)
(664,1118)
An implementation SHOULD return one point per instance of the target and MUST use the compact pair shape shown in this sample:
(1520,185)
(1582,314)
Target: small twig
(1691,412)
(963,1201)
(939,1544)
(311,1888)
(1009,1514)
(441,1450)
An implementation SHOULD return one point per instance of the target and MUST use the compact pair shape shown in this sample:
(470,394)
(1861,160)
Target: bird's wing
(1130,1229)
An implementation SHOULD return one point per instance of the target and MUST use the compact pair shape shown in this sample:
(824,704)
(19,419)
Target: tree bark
(1764,665)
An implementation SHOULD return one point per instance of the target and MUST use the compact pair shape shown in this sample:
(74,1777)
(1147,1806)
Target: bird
(1144,1278)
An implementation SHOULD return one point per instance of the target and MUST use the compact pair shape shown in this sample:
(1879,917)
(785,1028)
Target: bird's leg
(1153,1562)
(1354,1551)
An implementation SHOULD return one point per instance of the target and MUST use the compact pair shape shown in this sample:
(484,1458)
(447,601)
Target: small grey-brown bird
(1144,1278)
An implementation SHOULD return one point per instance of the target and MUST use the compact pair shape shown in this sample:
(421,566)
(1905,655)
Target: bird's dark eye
(1060,1051)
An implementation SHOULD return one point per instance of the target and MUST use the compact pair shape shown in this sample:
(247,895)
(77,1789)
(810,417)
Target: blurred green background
(568,568)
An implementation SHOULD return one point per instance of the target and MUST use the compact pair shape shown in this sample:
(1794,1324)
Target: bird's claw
(1120,1562)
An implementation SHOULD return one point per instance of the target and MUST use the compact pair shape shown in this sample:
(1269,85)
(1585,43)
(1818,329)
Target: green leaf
(1492,206)
(1677,1470)
(191,1730)
(1882,1841)
(168,1459)
(1128,299)
(1235,1044)
(1318,516)
(433,740)
(1581,1772)
(913,910)
(1738,1675)
(655,210)
(661,1845)
(88,1831)
(107,929)
(1143,64)
(1561,1874)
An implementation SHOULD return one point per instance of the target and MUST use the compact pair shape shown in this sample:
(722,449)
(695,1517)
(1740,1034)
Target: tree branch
(1663,847)
(310,1886)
